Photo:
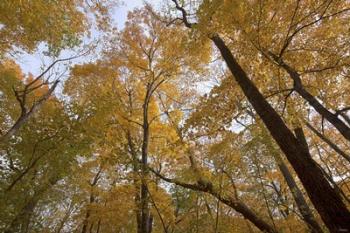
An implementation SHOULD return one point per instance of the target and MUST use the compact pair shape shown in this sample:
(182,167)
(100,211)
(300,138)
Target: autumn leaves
(131,145)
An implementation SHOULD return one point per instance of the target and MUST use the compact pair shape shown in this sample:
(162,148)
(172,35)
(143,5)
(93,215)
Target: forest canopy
(195,116)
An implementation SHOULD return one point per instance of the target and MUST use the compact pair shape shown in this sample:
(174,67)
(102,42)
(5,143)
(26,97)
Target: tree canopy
(197,116)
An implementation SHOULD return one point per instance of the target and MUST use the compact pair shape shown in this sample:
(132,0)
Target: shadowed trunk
(336,216)
(312,100)
(298,197)
(146,218)
(329,142)
(91,200)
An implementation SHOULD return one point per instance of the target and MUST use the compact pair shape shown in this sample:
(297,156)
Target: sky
(34,63)
(121,12)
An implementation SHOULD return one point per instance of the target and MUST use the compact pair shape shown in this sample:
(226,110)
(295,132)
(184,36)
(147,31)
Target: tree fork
(336,215)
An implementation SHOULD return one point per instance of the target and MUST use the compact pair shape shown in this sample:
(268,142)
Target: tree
(42,155)
(336,216)
(59,24)
(235,123)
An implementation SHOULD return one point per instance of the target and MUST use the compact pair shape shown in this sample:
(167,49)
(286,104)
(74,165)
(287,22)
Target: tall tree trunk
(91,200)
(98,226)
(136,178)
(86,221)
(263,190)
(298,197)
(336,215)
(146,218)
(65,217)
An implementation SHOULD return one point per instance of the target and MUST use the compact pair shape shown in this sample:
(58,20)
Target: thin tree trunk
(135,165)
(300,89)
(298,197)
(21,222)
(91,227)
(263,190)
(281,201)
(145,213)
(21,98)
(98,226)
(329,142)
(23,173)
(65,217)
(91,200)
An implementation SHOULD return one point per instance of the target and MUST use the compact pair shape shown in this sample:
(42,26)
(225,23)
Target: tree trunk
(300,89)
(65,217)
(298,197)
(22,220)
(146,218)
(86,222)
(91,200)
(336,216)
(329,142)
(98,226)
(27,114)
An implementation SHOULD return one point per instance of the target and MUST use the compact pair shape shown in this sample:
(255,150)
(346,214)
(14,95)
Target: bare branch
(184,14)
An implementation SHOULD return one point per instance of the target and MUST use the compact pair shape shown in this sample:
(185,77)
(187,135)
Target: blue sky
(34,63)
